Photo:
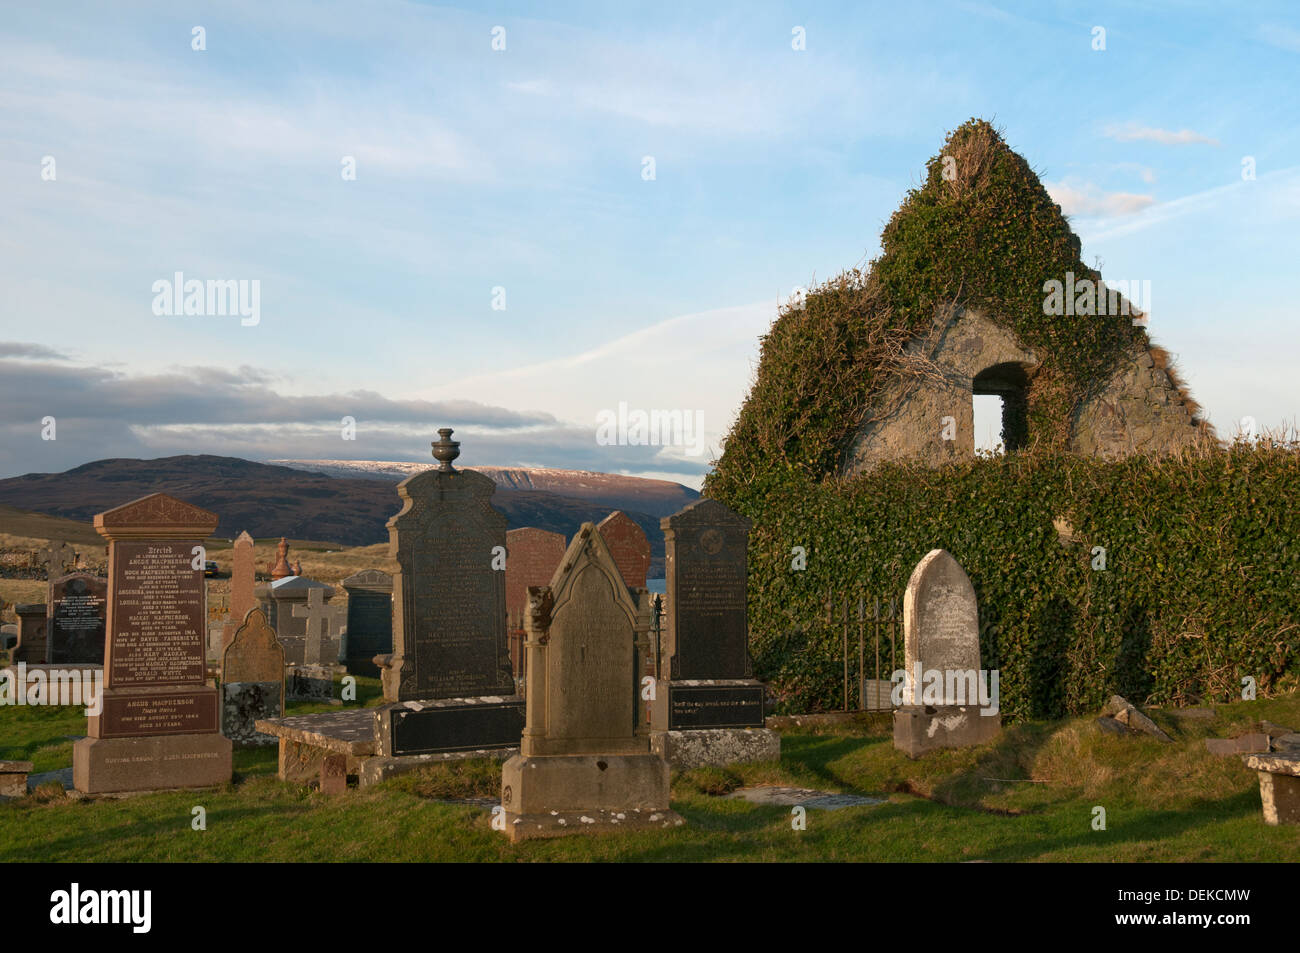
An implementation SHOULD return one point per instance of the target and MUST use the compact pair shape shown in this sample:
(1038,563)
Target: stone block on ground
(13,778)
(718,747)
(1279,786)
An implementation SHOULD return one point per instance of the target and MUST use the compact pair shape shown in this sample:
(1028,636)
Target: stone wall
(907,422)
(1140,409)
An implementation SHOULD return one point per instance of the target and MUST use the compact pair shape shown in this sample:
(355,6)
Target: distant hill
(618,492)
(269,500)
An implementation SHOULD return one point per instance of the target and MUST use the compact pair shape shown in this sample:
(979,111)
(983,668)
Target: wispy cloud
(1281,36)
(1134,132)
(1088,199)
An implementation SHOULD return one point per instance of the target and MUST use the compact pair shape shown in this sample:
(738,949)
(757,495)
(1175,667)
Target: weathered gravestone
(313,678)
(78,609)
(56,557)
(33,625)
(708,708)
(585,762)
(941,687)
(628,545)
(533,556)
(252,680)
(450,673)
(160,725)
(370,619)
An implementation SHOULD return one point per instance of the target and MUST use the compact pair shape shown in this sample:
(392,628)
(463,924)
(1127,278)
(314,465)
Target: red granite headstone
(532,556)
(159,724)
(628,545)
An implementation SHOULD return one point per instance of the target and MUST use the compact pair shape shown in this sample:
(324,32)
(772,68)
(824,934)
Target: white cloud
(1134,132)
(1088,199)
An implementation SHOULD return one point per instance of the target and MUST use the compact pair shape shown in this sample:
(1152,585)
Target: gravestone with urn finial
(449,679)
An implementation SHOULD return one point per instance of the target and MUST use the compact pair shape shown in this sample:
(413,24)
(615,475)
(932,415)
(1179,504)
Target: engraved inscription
(158,611)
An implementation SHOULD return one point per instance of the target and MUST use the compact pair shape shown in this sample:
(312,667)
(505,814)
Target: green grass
(1163,803)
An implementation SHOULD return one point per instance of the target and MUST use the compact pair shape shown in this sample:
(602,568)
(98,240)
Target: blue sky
(522,169)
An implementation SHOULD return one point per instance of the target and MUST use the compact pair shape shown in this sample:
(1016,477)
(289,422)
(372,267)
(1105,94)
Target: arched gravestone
(941,641)
(941,627)
(585,763)
(370,619)
(252,680)
(78,610)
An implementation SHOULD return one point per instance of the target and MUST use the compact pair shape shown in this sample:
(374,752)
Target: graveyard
(451,439)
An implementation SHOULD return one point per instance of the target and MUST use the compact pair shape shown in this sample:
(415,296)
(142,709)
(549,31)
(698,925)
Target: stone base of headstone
(150,763)
(445,725)
(242,704)
(717,747)
(919,729)
(311,683)
(378,769)
(557,795)
(1279,786)
(707,703)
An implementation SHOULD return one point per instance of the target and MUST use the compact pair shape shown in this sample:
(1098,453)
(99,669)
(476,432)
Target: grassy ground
(1173,802)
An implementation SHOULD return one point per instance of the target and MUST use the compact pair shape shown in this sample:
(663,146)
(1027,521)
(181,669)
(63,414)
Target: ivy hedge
(1201,585)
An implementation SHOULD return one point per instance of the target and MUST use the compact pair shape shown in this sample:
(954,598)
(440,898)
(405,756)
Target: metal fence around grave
(871,641)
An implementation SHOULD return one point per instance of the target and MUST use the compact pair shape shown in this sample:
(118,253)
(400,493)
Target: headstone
(159,727)
(78,608)
(707,708)
(706,546)
(942,654)
(322,638)
(57,557)
(449,616)
(313,678)
(33,624)
(585,762)
(370,619)
(242,579)
(252,680)
(629,546)
(533,556)
(448,600)
(280,601)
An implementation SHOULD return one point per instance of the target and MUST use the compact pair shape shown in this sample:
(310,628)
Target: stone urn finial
(280,568)
(445,450)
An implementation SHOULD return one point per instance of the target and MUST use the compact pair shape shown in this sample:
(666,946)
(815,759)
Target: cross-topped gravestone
(322,646)
(252,680)
(56,557)
(159,723)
